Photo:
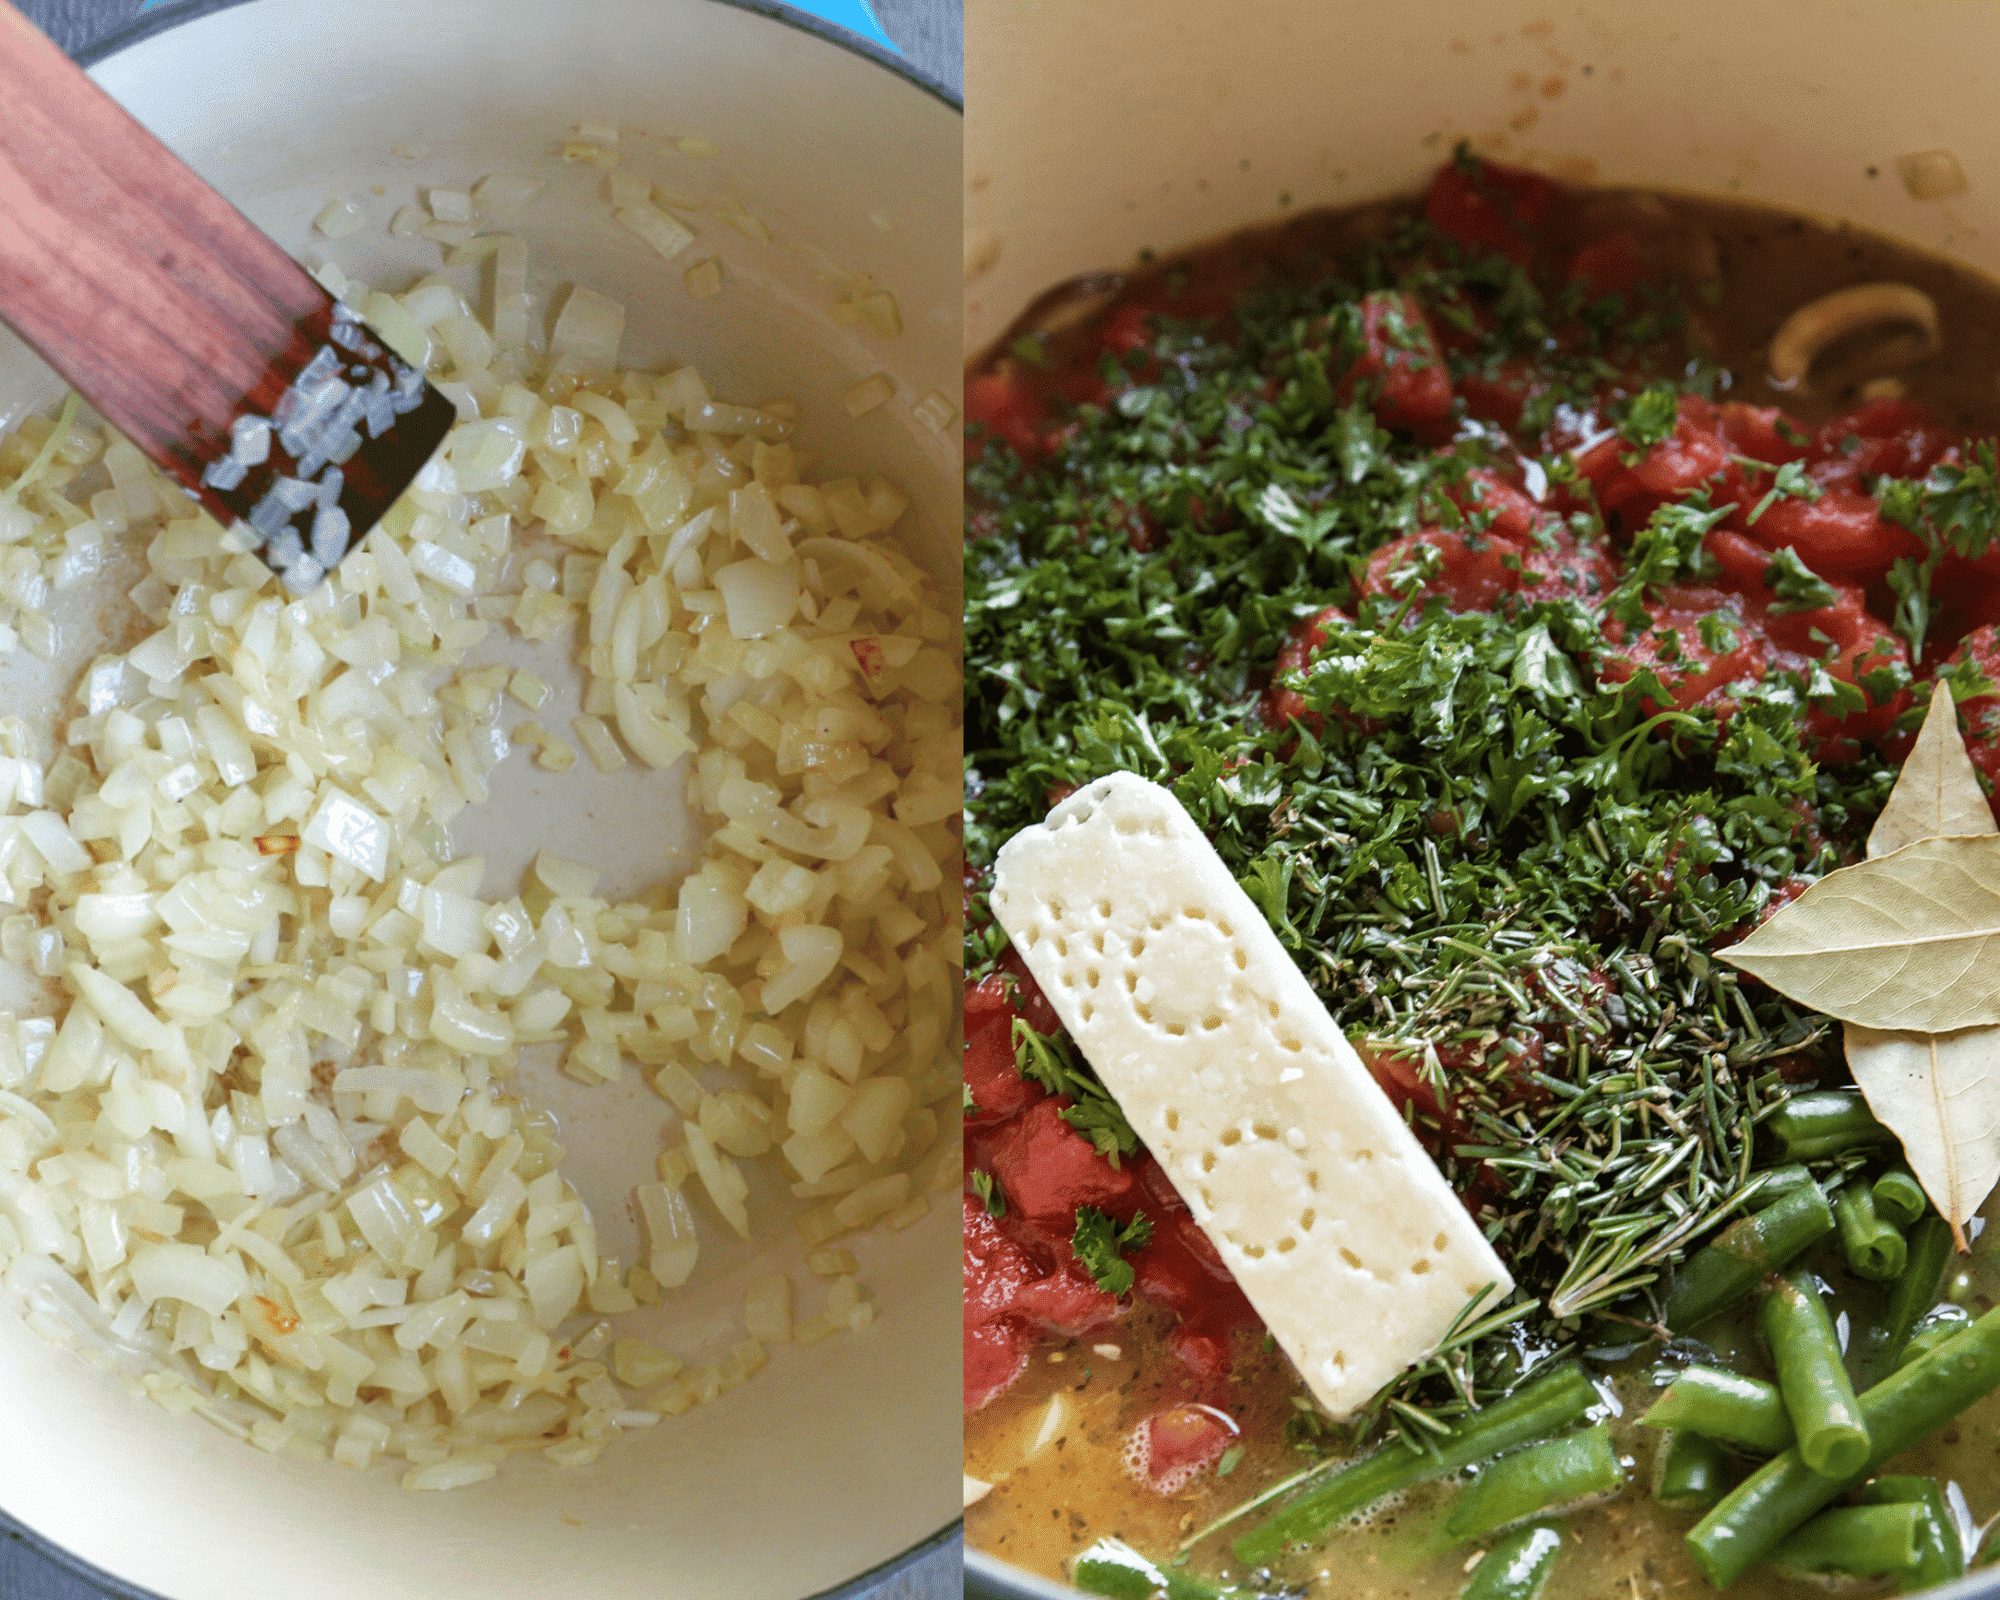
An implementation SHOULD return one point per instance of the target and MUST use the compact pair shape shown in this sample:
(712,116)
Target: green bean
(1806,1351)
(1871,1243)
(1938,1326)
(1536,1410)
(1530,1481)
(1779,1182)
(1860,1541)
(1112,1567)
(1898,1411)
(1722,1272)
(1692,1472)
(1940,1556)
(1899,1197)
(1722,1405)
(1908,1298)
(1517,1567)
(1823,1122)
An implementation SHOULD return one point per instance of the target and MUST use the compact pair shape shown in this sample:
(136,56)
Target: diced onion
(268,1146)
(187,1273)
(590,329)
(761,597)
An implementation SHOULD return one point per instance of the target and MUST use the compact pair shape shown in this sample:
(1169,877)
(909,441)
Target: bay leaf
(1906,942)
(1937,793)
(1940,1094)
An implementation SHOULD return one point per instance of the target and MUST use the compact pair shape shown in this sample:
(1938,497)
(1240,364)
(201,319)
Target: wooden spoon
(189,330)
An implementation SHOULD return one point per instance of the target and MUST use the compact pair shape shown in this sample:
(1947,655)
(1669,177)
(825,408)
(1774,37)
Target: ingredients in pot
(1522,622)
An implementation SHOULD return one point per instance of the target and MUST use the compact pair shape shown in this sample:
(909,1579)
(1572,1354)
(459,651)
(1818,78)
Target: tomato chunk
(998,1090)
(1841,535)
(1609,266)
(997,1341)
(1280,705)
(1049,1169)
(1399,368)
(1486,206)
(1008,409)
(1980,715)
(1171,1447)
(1696,665)
(1470,571)
(1511,513)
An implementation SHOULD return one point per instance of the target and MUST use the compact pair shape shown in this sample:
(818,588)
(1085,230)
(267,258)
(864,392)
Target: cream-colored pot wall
(1103,129)
(1100,129)
(837,1457)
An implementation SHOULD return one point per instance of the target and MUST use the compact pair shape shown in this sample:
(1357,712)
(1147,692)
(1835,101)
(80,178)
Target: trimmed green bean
(1722,1405)
(1899,1197)
(1517,1567)
(1874,1248)
(1907,1299)
(1938,1326)
(1530,1481)
(1859,1541)
(1692,1472)
(1823,1122)
(1898,1411)
(1722,1272)
(1940,1556)
(1779,1182)
(1818,1395)
(1112,1567)
(1546,1406)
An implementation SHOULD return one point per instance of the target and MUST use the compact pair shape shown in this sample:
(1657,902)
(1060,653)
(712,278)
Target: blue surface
(852,15)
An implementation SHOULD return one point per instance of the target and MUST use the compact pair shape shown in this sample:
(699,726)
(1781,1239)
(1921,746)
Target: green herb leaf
(1050,1061)
(1100,1243)
(1791,482)
(989,1192)
(1649,417)
(1794,585)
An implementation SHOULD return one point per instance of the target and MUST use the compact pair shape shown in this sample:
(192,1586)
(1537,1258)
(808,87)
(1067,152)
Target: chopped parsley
(1100,1244)
(1791,482)
(1649,417)
(1795,586)
(1051,1062)
(1956,509)
(989,1191)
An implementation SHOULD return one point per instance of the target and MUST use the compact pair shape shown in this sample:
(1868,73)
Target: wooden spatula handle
(189,329)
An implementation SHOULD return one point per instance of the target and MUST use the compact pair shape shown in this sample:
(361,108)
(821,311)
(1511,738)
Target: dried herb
(1938,792)
(1939,1093)
(1908,941)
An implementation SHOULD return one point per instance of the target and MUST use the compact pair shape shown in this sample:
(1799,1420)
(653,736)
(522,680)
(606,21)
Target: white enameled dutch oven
(835,1462)
(1100,131)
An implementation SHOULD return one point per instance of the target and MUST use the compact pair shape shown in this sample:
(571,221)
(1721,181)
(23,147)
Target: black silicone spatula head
(191,331)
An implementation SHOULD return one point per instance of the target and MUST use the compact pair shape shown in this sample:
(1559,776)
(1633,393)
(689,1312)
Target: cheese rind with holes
(1330,1215)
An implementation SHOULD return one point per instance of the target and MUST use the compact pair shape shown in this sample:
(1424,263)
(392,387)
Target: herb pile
(1488,860)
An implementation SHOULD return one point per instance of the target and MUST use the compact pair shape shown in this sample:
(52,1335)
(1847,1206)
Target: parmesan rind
(1329,1214)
